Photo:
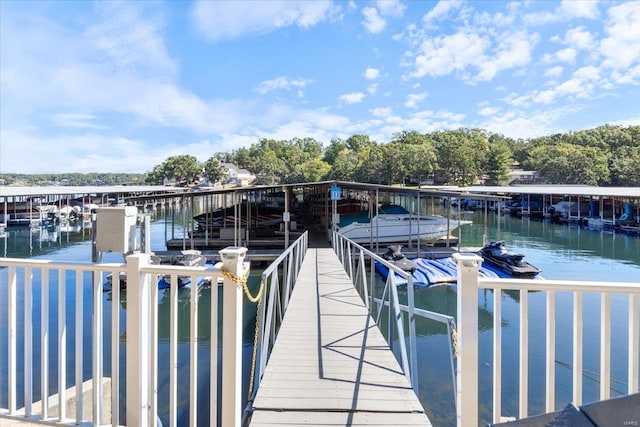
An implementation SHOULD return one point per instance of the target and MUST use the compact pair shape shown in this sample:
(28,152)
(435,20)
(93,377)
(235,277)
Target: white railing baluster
(96,330)
(605,346)
(634,350)
(524,354)
(413,346)
(497,355)
(62,346)
(173,352)
(577,348)
(550,368)
(213,367)
(79,340)
(28,341)
(153,351)
(193,352)
(12,338)
(44,343)
(115,347)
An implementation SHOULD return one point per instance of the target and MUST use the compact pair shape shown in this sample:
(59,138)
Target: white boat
(394,224)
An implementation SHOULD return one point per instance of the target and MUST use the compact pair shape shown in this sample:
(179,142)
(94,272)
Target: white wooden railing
(467,368)
(25,277)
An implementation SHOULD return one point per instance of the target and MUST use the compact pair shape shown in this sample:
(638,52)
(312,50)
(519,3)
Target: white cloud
(587,73)
(413,99)
(91,153)
(442,10)
(393,8)
(372,89)
(566,55)
(281,82)
(488,111)
(351,98)
(131,41)
(514,50)
(579,38)
(568,10)
(621,46)
(373,22)
(521,125)
(221,19)
(442,55)
(76,120)
(371,73)
(130,74)
(554,72)
(587,9)
(381,112)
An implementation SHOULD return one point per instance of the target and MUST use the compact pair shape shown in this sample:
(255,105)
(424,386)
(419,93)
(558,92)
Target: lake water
(561,251)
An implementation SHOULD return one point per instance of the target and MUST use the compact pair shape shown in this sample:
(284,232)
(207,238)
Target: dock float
(330,364)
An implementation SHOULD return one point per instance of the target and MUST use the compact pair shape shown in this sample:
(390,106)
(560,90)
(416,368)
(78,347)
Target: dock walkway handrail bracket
(468,285)
(278,280)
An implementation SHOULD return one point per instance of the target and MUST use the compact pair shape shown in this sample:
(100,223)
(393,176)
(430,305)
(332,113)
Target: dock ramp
(330,364)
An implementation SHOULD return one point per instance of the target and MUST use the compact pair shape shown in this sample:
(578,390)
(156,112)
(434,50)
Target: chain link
(454,341)
(256,299)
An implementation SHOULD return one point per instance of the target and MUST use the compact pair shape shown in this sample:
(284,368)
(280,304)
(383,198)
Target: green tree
(462,154)
(624,164)
(570,164)
(184,168)
(498,160)
(214,171)
(314,170)
(332,152)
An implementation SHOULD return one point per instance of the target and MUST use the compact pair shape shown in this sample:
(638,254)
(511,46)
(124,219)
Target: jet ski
(395,256)
(496,255)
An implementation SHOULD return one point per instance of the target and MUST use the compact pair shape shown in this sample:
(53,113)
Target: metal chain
(454,341)
(255,348)
(243,282)
(256,299)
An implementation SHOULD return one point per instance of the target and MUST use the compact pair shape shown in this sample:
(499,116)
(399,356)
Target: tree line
(73,179)
(605,156)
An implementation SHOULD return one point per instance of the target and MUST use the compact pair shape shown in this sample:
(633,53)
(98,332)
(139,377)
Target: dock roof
(30,191)
(556,190)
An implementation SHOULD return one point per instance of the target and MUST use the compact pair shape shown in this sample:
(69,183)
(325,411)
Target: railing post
(233,260)
(467,367)
(138,340)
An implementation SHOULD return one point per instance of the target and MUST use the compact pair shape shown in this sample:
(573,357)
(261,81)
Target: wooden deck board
(330,364)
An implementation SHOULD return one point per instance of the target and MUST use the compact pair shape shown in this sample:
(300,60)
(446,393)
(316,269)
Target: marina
(562,251)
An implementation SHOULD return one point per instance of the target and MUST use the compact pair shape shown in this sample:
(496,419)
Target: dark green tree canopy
(606,155)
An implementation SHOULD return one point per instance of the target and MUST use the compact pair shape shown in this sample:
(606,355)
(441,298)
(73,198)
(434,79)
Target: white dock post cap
(468,259)
(232,256)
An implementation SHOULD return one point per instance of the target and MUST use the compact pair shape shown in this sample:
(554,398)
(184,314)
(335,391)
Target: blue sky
(120,86)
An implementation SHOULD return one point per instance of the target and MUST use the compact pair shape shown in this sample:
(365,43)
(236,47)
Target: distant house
(521,176)
(238,176)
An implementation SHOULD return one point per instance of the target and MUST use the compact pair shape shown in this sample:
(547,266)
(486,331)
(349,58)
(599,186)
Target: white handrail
(468,284)
(23,275)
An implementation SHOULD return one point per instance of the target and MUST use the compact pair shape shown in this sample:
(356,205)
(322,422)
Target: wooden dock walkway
(330,364)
